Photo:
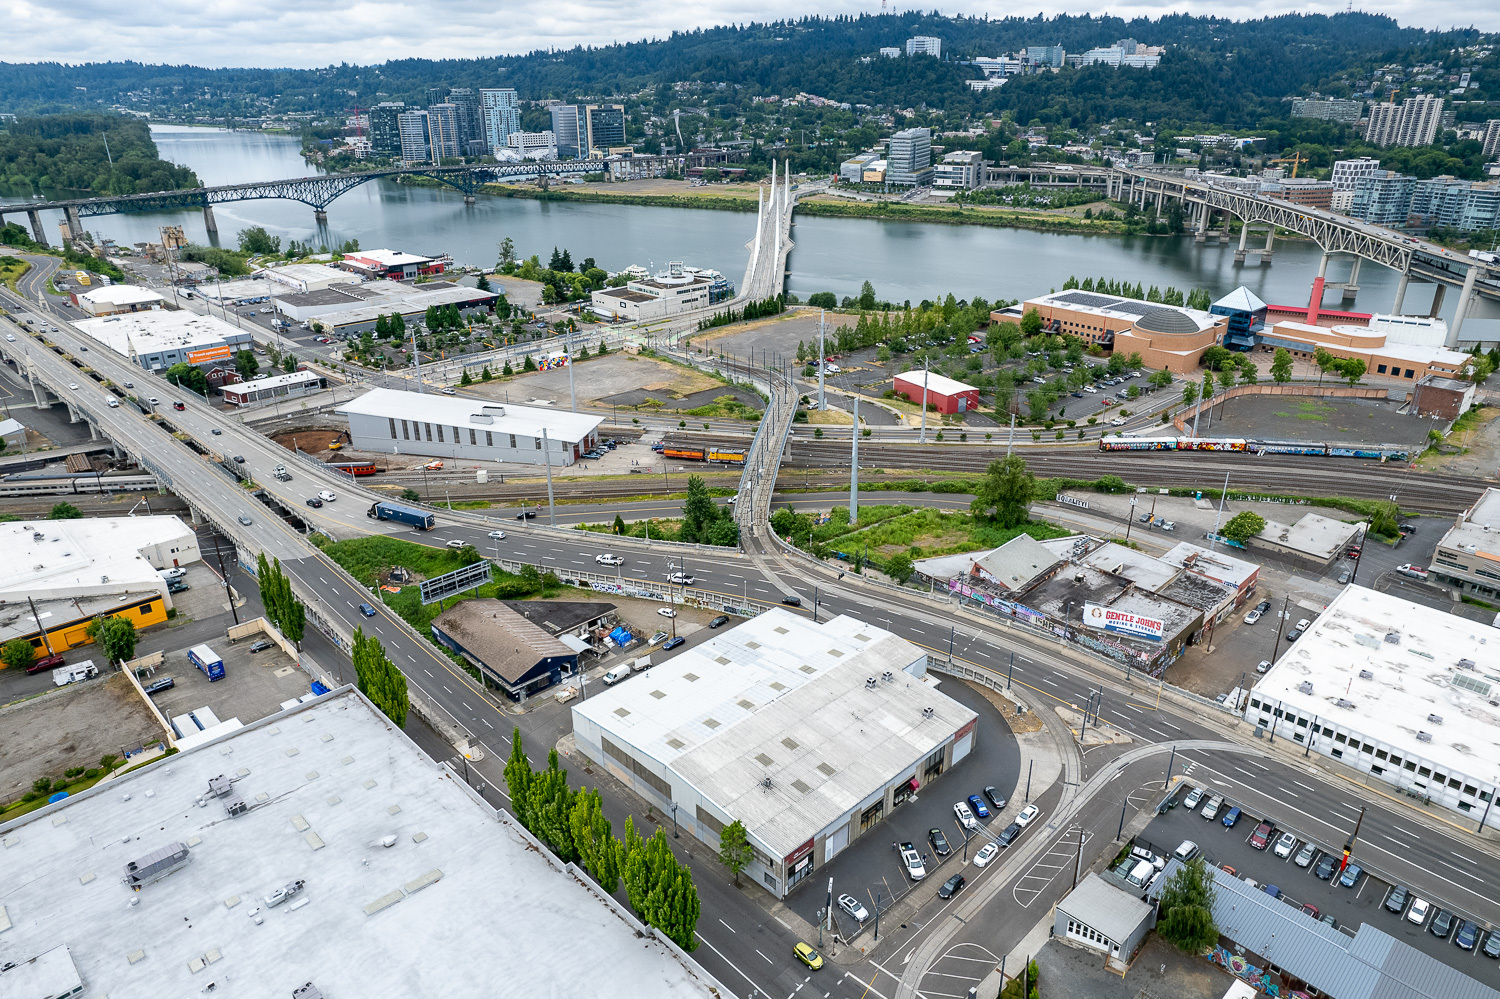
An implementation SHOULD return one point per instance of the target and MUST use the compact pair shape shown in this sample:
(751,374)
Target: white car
(852,906)
(1091,390)
(1285,844)
(73,386)
(666,612)
(1418,911)
(1118,421)
(683,579)
(1252,617)
(1194,796)
(965,816)
(327,496)
(985,854)
(913,860)
(1263,666)
(609,560)
(1028,814)
(497,535)
(455,543)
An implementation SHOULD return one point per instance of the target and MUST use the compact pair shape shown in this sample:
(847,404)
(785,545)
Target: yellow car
(808,956)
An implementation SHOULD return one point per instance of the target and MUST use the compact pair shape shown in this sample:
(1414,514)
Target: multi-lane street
(921,947)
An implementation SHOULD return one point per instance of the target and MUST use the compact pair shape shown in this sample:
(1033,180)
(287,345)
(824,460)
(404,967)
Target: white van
(1140,874)
(173,574)
(64,675)
(112,403)
(617,674)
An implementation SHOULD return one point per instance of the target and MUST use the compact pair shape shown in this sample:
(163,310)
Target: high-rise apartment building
(1328,109)
(500,110)
(442,132)
(604,126)
(437,95)
(1053,56)
(925,45)
(471,139)
(414,142)
(909,158)
(1383,198)
(385,129)
(567,128)
(1450,203)
(1491,138)
(1348,173)
(1413,122)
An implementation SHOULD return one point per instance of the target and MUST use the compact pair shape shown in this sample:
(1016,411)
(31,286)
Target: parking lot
(871,864)
(254,684)
(1361,902)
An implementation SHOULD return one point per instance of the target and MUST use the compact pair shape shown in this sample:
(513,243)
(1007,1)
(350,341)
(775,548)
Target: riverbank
(712,202)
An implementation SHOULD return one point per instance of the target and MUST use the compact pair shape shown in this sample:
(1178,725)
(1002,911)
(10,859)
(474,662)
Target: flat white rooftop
(385,258)
(1477,532)
(158,330)
(458,411)
(1214,564)
(43,556)
(276,381)
(1413,653)
(1314,534)
(941,384)
(121,294)
(325,783)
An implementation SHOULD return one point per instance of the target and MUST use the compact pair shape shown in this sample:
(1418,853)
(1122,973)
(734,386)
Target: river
(903,260)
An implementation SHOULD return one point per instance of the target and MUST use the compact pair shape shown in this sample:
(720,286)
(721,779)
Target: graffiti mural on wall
(1256,977)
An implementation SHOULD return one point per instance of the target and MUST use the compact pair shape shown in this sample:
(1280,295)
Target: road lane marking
(768,960)
(731,929)
(487,722)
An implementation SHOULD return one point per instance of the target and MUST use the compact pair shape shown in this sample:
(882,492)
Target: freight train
(1253,446)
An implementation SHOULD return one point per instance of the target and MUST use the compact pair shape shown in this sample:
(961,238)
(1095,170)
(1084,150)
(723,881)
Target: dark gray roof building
(514,654)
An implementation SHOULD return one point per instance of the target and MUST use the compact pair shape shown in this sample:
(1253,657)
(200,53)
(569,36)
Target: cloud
(295,33)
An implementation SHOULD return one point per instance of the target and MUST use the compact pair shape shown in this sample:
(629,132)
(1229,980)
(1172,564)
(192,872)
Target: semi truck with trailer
(384,510)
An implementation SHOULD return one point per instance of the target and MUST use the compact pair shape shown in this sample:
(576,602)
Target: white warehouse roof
(121,294)
(158,330)
(936,384)
(461,411)
(386,846)
(86,556)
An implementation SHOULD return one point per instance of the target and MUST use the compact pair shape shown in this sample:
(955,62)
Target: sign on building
(1072,501)
(450,584)
(1124,622)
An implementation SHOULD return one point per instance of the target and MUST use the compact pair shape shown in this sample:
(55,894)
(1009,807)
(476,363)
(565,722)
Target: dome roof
(1168,321)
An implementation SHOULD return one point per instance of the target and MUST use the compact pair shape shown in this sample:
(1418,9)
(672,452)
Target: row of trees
(703,521)
(571,823)
(1198,298)
(378,678)
(285,611)
(752,310)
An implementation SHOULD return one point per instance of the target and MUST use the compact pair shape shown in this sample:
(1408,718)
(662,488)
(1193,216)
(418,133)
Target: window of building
(512,440)
(146,609)
(1410,373)
(1301,722)
(429,431)
(405,431)
(1380,754)
(538,441)
(1440,778)
(1455,783)
(1380,369)
(1340,737)
(1337,754)
(1395,760)
(471,436)
(1368,748)
(393,427)
(489,439)
(934,765)
(1255,702)
(871,815)
(1470,790)
(1425,771)
(1410,765)
(440,435)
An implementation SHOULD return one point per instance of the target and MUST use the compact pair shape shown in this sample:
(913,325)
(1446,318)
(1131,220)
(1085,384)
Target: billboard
(219,353)
(1123,622)
(450,584)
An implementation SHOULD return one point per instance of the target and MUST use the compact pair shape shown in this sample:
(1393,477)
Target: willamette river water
(903,260)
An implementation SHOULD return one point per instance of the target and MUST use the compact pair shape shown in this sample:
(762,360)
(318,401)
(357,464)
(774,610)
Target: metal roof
(480,414)
(1116,914)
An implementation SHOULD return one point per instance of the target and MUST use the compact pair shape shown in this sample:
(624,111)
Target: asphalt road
(742,946)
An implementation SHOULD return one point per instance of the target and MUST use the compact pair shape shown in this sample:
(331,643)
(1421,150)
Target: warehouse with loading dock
(807,733)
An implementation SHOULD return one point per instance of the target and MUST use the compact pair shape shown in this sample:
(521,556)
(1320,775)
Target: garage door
(835,842)
(962,745)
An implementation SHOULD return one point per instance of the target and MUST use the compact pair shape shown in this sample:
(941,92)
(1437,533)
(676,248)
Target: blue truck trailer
(209,661)
(405,514)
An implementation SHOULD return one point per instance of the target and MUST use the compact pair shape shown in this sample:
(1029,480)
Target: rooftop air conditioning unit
(1435,719)
(1341,702)
(219,786)
(927,712)
(888,676)
(870,683)
(1466,664)
(1365,674)
(1305,687)
(1424,736)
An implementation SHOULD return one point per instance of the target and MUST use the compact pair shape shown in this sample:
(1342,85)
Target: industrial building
(808,733)
(948,394)
(512,652)
(398,422)
(273,387)
(394,265)
(353,308)
(217,870)
(61,574)
(307,277)
(1101,917)
(160,338)
(1468,556)
(113,299)
(1393,688)
(1166,336)
(676,291)
(1442,398)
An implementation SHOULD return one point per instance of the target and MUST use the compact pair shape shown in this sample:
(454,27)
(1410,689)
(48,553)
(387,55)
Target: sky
(301,34)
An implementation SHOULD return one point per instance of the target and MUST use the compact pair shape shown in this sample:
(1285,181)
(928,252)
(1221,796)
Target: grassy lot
(920,532)
(11,269)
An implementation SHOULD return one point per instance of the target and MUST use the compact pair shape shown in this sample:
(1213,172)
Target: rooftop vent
(1424,736)
(1435,719)
(1466,664)
(1393,637)
(1305,687)
(218,786)
(236,806)
(888,676)
(308,991)
(927,712)
(1365,674)
(1341,702)
(870,683)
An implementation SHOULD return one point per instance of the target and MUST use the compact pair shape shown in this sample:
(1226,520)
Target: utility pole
(1214,538)
(547,459)
(822,403)
(923,439)
(1012,442)
(854,466)
(224,577)
(416,358)
(1349,843)
(1078,867)
(572,392)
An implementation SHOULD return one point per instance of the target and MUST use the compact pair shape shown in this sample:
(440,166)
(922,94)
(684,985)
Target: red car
(1262,835)
(46,662)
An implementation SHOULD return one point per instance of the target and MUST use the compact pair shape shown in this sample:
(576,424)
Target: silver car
(852,906)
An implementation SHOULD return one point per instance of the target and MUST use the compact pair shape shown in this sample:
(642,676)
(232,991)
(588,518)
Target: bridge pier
(75,226)
(209,222)
(1265,255)
(1351,287)
(37,232)
(38,393)
(1462,309)
(1239,255)
(93,431)
(468,199)
(320,215)
(1224,229)
(1323,265)
(73,416)
(1401,292)
(1200,213)
(1437,303)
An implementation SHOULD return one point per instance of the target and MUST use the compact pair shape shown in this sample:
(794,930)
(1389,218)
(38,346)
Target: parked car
(1467,935)
(1442,924)
(1231,817)
(158,685)
(1294,634)
(261,646)
(1350,876)
(852,906)
(1193,798)
(666,612)
(804,951)
(952,886)
(1210,810)
(1420,908)
(1008,834)
(1169,525)
(985,854)
(658,638)
(719,621)
(1413,571)
(1028,815)
(1285,844)
(1186,850)
(995,800)
(1261,838)
(1263,666)
(977,804)
(1253,616)
(915,869)
(1271,890)
(1326,867)
(1344,576)
(939,842)
(1491,948)
(1396,900)
(965,816)
(43,664)
(1310,909)
(672,643)
(1305,855)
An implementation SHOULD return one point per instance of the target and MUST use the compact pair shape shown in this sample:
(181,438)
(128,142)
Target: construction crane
(1296,160)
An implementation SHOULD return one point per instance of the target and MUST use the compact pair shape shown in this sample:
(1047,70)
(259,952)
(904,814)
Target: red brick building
(947,395)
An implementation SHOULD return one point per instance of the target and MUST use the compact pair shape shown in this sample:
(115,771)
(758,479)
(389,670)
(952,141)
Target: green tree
(1187,919)
(1352,369)
(1215,357)
(17,653)
(507,371)
(550,808)
(867,296)
(65,511)
(246,364)
(465,379)
(1189,394)
(1281,366)
(1249,373)
(483,284)
(1243,526)
(115,636)
(698,512)
(1325,361)
(256,240)
(507,252)
(598,851)
(1005,493)
(518,778)
(735,851)
(530,365)
(1386,520)
(899,567)
(619,524)
(289,363)
(1031,323)
(379,679)
(189,377)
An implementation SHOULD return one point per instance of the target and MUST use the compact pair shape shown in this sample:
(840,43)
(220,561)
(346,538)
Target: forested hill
(1216,70)
(69,152)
